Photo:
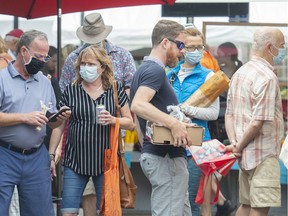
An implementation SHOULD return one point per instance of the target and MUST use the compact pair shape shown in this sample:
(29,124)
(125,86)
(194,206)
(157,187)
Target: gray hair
(165,29)
(262,36)
(28,37)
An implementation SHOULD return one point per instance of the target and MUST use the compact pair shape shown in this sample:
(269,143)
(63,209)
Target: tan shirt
(254,94)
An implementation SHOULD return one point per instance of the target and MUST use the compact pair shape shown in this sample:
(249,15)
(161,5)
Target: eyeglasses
(180,45)
(40,57)
(193,48)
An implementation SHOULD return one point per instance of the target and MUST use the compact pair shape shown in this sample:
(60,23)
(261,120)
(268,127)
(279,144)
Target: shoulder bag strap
(115,91)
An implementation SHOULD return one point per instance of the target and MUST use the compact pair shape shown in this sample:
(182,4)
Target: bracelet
(52,157)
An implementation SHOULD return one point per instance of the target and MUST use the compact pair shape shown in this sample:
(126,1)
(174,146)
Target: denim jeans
(194,180)
(31,174)
(73,187)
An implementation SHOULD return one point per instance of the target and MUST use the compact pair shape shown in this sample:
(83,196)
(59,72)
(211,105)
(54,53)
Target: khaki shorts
(90,189)
(260,187)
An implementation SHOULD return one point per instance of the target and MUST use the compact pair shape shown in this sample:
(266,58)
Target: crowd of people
(248,118)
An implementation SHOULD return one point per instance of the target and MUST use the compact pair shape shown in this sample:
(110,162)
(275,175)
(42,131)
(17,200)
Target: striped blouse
(86,140)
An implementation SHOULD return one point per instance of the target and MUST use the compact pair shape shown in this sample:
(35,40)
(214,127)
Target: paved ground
(147,214)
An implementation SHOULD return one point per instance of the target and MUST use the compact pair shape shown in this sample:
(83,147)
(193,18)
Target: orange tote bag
(110,203)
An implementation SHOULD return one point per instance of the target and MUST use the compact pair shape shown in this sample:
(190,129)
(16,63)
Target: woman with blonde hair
(88,136)
(5,58)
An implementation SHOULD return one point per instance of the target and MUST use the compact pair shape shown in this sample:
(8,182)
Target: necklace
(87,87)
(99,87)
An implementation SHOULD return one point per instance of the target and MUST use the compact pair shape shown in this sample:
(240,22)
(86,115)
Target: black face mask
(34,66)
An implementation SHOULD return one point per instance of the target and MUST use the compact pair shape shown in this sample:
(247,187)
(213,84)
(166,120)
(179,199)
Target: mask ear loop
(26,63)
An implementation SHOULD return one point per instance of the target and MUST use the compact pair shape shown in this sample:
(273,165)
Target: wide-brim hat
(93,29)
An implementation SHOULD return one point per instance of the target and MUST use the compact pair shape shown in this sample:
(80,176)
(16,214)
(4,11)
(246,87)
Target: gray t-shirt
(152,74)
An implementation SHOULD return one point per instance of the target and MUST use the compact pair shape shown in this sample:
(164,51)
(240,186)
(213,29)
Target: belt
(16,149)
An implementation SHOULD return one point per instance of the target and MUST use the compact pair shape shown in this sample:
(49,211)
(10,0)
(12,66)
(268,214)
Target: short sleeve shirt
(18,95)
(86,139)
(152,74)
(254,94)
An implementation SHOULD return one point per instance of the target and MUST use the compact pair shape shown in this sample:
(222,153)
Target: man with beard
(164,165)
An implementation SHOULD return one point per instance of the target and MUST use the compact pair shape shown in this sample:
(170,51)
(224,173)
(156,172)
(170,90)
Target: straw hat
(93,30)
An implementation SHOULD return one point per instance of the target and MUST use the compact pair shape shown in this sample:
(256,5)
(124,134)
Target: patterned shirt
(123,64)
(86,140)
(254,94)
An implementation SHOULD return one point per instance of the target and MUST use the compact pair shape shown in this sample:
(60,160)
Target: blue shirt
(18,95)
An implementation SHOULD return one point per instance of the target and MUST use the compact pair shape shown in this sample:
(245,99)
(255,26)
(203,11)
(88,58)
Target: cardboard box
(161,135)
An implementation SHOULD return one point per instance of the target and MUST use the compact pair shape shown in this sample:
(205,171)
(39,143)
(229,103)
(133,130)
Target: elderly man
(24,95)
(254,124)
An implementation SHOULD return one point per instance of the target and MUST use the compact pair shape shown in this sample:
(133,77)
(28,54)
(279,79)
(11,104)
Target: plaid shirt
(254,94)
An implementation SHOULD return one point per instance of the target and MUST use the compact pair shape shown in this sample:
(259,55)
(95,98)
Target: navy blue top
(152,74)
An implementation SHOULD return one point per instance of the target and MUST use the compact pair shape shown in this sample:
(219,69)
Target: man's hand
(36,118)
(180,135)
(234,149)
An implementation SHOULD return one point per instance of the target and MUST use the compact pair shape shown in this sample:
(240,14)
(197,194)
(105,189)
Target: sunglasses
(180,45)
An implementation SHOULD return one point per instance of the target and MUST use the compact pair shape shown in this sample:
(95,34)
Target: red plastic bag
(211,158)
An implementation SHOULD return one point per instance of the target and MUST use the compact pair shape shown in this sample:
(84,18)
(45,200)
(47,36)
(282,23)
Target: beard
(171,58)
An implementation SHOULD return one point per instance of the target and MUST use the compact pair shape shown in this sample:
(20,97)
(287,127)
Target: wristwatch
(52,157)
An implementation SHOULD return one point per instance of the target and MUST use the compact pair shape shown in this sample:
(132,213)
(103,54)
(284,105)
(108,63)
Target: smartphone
(53,118)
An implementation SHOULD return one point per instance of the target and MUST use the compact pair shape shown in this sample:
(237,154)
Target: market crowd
(248,118)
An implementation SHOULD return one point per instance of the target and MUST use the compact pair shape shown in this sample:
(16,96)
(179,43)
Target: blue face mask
(280,57)
(193,57)
(89,73)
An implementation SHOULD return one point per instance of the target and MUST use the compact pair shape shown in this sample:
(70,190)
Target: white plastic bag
(284,152)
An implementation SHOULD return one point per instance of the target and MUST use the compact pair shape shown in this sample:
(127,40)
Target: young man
(254,124)
(164,165)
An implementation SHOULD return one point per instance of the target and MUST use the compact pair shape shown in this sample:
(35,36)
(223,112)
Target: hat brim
(93,39)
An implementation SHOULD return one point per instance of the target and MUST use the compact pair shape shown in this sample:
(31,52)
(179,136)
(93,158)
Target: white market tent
(132,26)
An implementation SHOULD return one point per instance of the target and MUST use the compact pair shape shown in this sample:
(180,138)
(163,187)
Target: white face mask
(89,73)
(280,57)
(193,57)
